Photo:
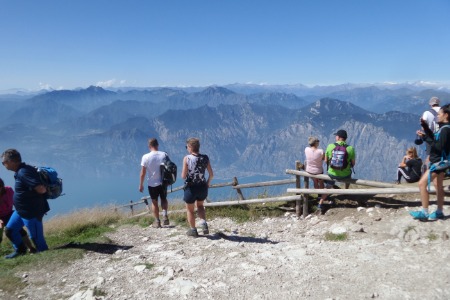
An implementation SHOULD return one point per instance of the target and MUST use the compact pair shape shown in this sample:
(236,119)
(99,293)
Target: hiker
(30,202)
(151,166)
(6,211)
(196,184)
(439,146)
(340,159)
(314,161)
(410,167)
(429,116)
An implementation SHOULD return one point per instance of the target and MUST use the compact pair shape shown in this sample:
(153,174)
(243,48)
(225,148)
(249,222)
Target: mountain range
(99,133)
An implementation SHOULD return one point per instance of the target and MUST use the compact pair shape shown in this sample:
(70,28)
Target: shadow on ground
(95,247)
(236,238)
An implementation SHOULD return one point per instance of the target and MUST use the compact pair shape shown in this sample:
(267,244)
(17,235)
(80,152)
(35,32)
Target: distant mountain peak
(330,106)
(216,90)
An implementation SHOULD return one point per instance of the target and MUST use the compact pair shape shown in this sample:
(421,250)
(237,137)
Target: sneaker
(205,228)
(14,254)
(192,232)
(419,215)
(166,220)
(156,224)
(435,215)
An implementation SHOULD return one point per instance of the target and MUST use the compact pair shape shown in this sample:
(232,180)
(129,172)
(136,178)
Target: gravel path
(387,255)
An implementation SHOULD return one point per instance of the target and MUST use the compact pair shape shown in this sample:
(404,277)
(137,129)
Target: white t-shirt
(429,118)
(152,162)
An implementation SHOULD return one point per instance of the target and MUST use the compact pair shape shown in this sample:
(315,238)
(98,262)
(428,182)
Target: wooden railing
(300,194)
(235,186)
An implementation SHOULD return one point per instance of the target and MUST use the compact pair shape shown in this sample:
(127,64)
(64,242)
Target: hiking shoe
(419,215)
(435,215)
(166,220)
(14,254)
(156,224)
(192,232)
(205,228)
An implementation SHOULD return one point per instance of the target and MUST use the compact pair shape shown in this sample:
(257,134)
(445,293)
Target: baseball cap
(341,133)
(434,101)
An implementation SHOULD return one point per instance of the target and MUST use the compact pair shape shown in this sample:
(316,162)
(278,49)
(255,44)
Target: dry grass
(99,216)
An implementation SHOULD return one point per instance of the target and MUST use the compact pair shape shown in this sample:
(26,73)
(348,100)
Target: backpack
(339,157)
(434,125)
(168,171)
(49,178)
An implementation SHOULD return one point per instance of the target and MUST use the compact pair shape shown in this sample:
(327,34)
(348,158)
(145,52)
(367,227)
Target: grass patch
(244,213)
(336,237)
(90,225)
(432,236)
(81,227)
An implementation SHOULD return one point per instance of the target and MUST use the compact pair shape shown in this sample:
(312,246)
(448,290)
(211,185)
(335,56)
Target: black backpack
(168,172)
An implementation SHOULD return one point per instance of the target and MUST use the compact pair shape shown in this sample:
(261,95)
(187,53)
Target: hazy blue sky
(69,44)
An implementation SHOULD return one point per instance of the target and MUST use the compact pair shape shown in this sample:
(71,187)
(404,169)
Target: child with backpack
(439,153)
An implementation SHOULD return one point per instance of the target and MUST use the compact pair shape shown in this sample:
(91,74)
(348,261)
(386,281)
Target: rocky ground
(387,255)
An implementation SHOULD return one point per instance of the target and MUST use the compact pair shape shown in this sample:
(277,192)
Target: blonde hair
(412,151)
(312,140)
(194,143)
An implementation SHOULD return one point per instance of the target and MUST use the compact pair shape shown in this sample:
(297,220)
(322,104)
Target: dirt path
(387,255)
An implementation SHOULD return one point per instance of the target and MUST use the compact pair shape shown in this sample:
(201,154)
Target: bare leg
(190,214)
(201,210)
(423,183)
(438,182)
(27,242)
(155,208)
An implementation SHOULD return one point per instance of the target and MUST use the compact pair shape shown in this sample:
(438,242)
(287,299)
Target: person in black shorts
(195,166)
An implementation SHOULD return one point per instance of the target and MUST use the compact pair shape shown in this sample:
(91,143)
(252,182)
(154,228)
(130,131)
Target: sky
(146,43)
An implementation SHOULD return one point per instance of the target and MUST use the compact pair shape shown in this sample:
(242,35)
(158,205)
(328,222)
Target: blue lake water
(89,193)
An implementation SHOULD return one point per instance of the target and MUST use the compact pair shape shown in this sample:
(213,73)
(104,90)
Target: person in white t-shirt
(430,118)
(151,166)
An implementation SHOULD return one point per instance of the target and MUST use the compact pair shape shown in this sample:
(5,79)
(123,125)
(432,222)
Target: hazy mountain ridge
(100,133)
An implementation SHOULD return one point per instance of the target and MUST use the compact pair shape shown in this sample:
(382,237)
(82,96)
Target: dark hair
(12,155)
(446,110)
(153,142)
(2,187)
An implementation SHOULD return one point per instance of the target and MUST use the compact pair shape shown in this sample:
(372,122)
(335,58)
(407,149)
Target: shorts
(330,183)
(194,193)
(158,191)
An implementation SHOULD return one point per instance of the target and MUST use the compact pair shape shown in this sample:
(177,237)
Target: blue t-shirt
(28,203)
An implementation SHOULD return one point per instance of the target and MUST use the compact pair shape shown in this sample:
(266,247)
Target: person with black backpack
(341,159)
(151,167)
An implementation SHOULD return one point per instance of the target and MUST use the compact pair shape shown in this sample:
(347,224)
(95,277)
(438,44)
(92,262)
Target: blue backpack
(49,178)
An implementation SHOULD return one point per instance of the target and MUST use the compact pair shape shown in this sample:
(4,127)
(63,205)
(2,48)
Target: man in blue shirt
(30,202)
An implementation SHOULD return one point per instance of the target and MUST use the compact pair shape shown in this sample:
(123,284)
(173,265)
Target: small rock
(140,268)
(377,219)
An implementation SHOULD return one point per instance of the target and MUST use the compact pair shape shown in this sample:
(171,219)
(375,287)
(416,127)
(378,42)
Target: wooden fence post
(298,203)
(235,182)
(305,197)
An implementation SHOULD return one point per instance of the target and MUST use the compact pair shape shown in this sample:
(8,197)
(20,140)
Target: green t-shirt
(351,156)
